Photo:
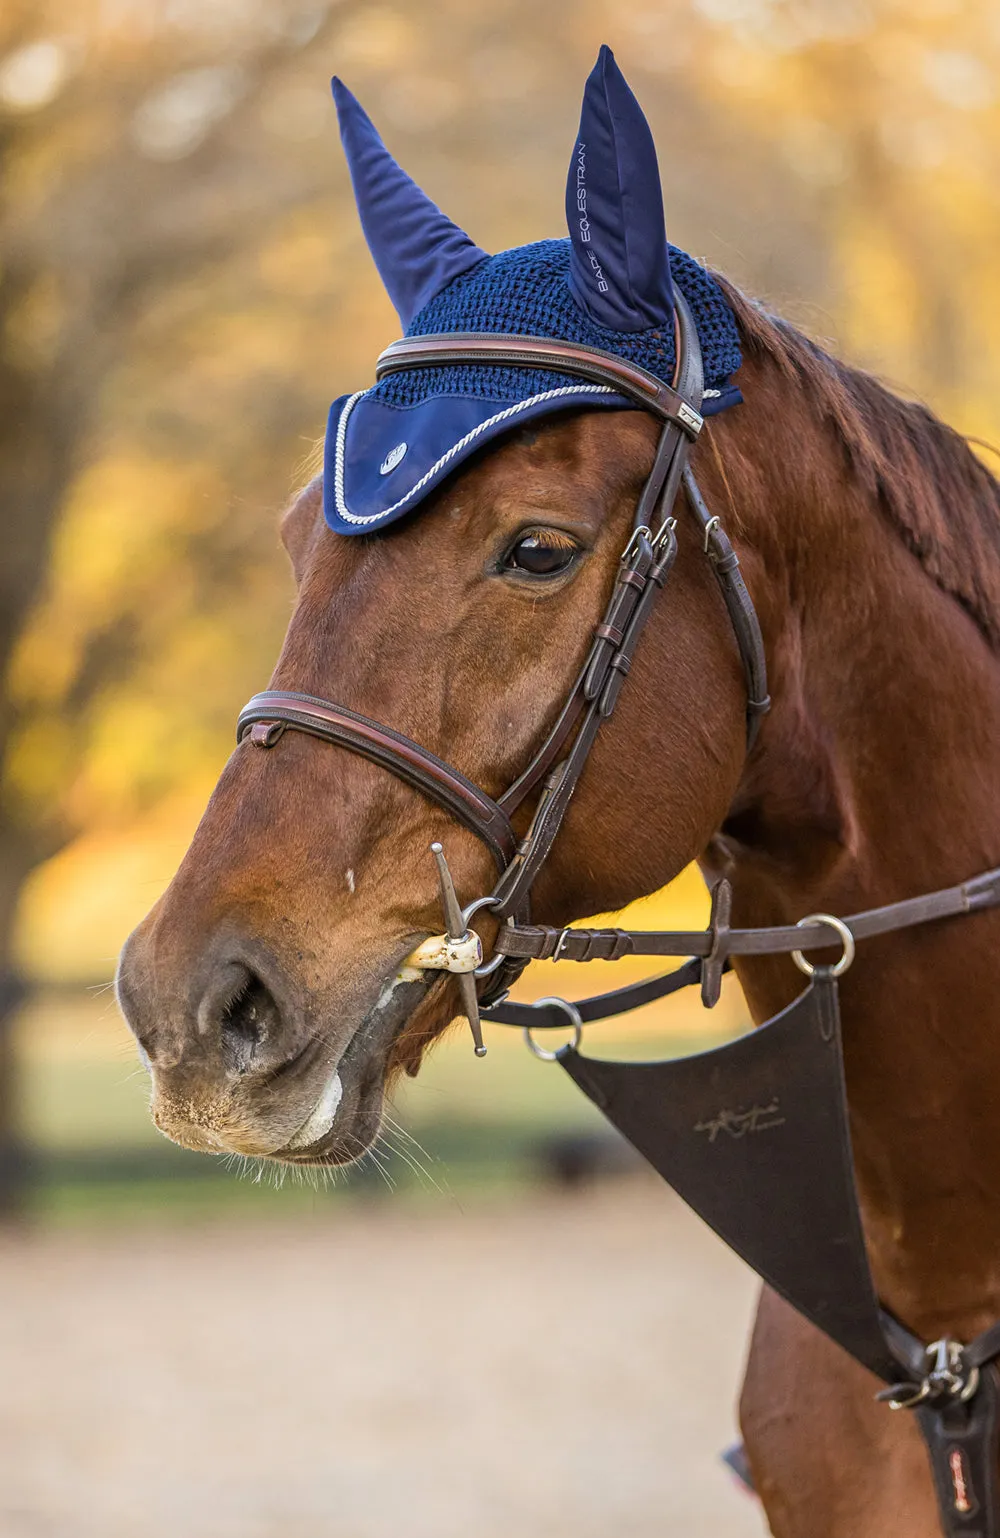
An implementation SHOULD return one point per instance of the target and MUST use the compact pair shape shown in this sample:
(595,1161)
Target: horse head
(452,563)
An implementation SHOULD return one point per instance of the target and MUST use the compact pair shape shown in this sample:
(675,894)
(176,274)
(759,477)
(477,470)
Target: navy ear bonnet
(609,285)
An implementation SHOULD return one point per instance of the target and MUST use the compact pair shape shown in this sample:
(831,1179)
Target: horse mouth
(346,1113)
(322,1116)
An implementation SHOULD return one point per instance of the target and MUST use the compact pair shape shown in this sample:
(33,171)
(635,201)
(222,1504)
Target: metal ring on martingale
(572,1018)
(846,938)
(467,913)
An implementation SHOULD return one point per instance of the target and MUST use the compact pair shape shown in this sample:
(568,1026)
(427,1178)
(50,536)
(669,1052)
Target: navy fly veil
(609,285)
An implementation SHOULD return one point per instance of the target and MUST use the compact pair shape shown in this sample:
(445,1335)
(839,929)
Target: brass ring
(572,1018)
(846,939)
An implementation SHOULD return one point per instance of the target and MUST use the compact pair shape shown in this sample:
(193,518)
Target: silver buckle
(643,531)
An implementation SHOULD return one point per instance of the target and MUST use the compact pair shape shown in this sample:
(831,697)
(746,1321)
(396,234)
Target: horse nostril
(246,1020)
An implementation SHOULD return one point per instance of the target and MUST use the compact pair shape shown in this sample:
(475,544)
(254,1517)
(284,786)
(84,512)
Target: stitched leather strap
(270,714)
(538,942)
(742,614)
(643,570)
(617,632)
(910,1351)
(445,349)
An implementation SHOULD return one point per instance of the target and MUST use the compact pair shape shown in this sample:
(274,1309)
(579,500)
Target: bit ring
(499,958)
(846,939)
(572,1018)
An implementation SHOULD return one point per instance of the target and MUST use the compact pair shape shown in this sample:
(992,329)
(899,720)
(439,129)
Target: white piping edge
(456,448)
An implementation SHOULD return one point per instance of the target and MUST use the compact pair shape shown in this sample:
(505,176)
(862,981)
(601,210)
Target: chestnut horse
(267,987)
(869,534)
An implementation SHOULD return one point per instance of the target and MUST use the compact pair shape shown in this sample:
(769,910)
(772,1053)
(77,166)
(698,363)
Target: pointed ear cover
(417,250)
(620,265)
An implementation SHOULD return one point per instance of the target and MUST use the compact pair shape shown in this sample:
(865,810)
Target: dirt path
(520,1369)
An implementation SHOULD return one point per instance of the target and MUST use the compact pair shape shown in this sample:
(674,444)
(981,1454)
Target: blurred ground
(562,1366)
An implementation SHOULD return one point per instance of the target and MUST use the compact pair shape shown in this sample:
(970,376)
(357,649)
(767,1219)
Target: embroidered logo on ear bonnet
(609,285)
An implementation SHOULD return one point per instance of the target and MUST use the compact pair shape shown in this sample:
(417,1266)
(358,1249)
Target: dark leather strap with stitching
(643,570)
(270,714)
(593,363)
(538,942)
(742,614)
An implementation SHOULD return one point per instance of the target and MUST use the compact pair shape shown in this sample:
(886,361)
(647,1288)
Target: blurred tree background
(184,287)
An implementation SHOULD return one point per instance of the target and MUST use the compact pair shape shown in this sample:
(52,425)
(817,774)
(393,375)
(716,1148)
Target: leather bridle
(642,571)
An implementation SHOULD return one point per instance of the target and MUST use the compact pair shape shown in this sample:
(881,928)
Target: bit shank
(456,930)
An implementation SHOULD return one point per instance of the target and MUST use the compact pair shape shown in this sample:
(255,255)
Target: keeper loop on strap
(714,963)
(264,734)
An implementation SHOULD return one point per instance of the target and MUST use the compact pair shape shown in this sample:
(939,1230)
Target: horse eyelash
(557,538)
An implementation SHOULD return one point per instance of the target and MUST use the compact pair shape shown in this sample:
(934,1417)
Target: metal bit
(456,930)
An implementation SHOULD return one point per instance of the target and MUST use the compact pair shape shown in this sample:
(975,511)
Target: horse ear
(417,250)
(619,261)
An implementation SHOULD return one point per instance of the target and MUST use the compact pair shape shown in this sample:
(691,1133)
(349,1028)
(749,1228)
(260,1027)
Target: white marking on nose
(350,881)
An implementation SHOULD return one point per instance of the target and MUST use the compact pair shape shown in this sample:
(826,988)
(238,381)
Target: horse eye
(539,556)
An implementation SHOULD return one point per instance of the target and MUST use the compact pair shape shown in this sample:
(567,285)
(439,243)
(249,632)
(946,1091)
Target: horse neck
(876,780)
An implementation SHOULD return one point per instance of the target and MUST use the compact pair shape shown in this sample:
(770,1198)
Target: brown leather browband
(446,349)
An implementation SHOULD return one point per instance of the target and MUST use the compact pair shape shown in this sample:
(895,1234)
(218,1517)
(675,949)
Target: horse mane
(938,496)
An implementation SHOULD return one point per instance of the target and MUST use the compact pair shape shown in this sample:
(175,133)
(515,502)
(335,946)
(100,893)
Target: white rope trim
(456,448)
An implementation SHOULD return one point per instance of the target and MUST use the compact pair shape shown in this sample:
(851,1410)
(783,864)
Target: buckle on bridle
(643,532)
(947,1378)
(665,535)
